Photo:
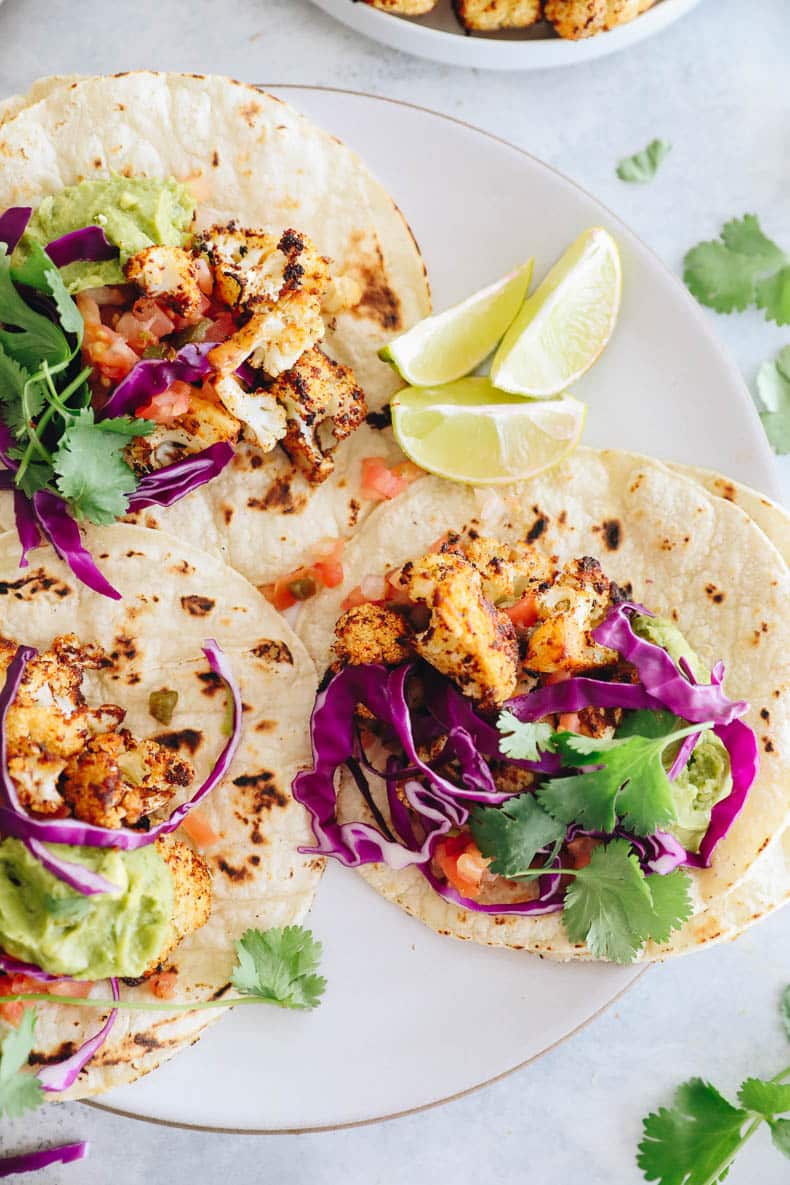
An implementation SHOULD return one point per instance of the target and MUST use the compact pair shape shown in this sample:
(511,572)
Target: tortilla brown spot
(269,650)
(233,874)
(196,605)
(537,528)
(32,585)
(185,738)
(613,533)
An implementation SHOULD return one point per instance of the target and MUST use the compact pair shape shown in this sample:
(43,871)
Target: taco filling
(528,737)
(137,351)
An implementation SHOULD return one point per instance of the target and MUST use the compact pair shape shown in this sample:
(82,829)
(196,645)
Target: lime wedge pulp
(448,345)
(467,431)
(565,324)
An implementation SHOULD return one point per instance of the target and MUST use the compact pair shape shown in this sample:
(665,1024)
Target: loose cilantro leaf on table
(19,1091)
(773,389)
(522,739)
(512,835)
(741,268)
(279,965)
(91,472)
(626,779)
(610,904)
(695,1141)
(643,166)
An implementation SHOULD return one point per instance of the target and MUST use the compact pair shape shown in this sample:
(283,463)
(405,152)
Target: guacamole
(134,213)
(665,634)
(45,922)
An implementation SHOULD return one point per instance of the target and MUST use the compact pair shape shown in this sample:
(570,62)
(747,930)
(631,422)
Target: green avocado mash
(706,779)
(43,921)
(135,213)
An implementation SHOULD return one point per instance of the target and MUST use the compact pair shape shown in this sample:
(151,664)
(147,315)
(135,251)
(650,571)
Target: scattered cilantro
(28,336)
(626,779)
(279,965)
(19,1091)
(695,1141)
(90,470)
(643,166)
(611,907)
(512,835)
(773,389)
(521,739)
(741,268)
(21,400)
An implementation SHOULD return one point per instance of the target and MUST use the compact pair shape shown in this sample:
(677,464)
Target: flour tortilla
(681,547)
(265,165)
(174,597)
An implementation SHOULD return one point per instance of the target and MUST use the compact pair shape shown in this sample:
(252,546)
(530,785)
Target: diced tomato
(525,612)
(165,407)
(580,850)
(107,351)
(462,863)
(354,598)
(568,722)
(163,984)
(108,295)
(77,989)
(303,583)
(381,483)
(144,325)
(328,567)
(557,677)
(88,307)
(12,1013)
(224,327)
(199,186)
(199,829)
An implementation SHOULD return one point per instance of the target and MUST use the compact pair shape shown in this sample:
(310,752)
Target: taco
(145,818)
(558,713)
(226,273)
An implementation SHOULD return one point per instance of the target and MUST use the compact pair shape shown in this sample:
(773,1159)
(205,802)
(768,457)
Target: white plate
(440,37)
(411,1019)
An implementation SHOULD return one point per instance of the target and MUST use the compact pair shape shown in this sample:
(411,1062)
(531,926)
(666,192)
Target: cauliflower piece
(191,894)
(35,774)
(115,779)
(466,638)
(258,411)
(507,569)
(404,7)
(488,15)
(568,609)
(372,633)
(207,422)
(169,275)
(344,292)
(576,19)
(323,405)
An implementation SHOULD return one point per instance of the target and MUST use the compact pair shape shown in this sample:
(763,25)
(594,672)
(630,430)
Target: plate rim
(772,489)
(494,53)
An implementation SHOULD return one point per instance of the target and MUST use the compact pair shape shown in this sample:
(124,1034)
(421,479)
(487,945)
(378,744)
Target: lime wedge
(448,345)
(468,431)
(565,324)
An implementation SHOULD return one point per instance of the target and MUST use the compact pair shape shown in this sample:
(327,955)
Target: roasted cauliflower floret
(404,7)
(258,411)
(575,19)
(115,779)
(507,569)
(206,422)
(191,893)
(488,15)
(372,633)
(323,406)
(568,611)
(169,275)
(466,638)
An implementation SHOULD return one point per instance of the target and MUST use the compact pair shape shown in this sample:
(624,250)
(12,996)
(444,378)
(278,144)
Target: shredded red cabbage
(26,524)
(660,676)
(152,376)
(16,822)
(61,1075)
(11,966)
(75,875)
(574,694)
(89,243)
(63,533)
(170,483)
(741,744)
(32,1162)
(13,224)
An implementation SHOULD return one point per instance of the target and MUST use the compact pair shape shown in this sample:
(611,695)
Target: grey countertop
(715,84)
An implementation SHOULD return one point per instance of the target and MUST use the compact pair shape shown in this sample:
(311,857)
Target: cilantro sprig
(19,1091)
(695,1141)
(773,390)
(45,398)
(741,268)
(641,167)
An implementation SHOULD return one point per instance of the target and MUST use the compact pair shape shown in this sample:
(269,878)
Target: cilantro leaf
(37,476)
(672,905)
(741,268)
(279,965)
(643,166)
(14,380)
(608,904)
(522,739)
(784,1011)
(766,1098)
(33,338)
(780,1134)
(513,834)
(773,390)
(627,780)
(19,1091)
(69,315)
(693,1142)
(90,470)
